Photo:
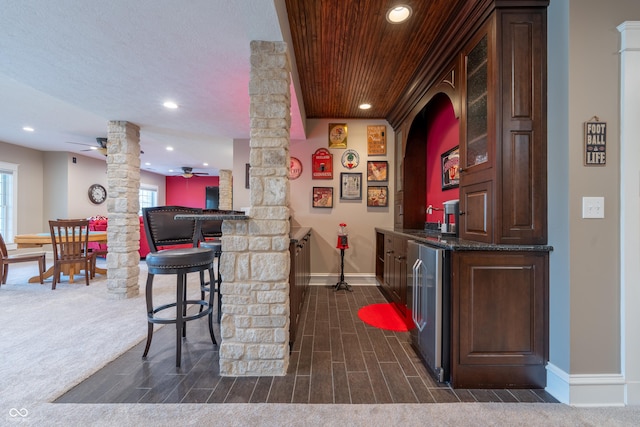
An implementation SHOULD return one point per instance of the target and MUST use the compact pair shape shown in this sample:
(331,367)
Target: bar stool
(163,231)
(210,233)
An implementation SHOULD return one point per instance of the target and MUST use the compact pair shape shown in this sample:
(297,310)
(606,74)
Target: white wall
(85,172)
(360,219)
(30,192)
(76,176)
(585,298)
(51,185)
(156,180)
(558,179)
(241,195)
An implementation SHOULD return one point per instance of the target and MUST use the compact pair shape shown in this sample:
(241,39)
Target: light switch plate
(593,207)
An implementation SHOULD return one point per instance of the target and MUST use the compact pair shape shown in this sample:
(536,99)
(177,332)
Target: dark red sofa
(99,223)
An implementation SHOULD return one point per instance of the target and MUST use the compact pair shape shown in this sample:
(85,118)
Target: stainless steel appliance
(451,217)
(426,291)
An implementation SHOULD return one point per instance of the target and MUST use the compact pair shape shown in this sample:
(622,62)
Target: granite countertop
(444,241)
(214,215)
(298,233)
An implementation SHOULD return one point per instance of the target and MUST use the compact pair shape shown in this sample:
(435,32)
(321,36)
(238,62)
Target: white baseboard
(585,390)
(324,279)
(633,394)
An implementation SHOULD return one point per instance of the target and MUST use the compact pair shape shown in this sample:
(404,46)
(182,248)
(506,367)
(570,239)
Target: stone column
(255,260)
(225,188)
(123,203)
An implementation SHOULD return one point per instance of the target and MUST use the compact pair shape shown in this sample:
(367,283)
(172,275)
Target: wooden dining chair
(6,259)
(70,241)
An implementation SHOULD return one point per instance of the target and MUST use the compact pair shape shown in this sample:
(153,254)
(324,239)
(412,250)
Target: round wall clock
(97,194)
(350,159)
(296,168)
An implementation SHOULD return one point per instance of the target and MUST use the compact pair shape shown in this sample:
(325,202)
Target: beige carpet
(52,340)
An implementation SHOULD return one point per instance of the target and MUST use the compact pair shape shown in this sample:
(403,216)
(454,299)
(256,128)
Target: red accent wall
(442,135)
(189,192)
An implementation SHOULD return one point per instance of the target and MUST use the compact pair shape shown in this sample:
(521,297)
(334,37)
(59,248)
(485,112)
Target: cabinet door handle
(400,258)
(462,213)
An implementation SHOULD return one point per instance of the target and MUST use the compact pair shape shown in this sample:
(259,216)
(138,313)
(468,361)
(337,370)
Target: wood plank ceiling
(347,53)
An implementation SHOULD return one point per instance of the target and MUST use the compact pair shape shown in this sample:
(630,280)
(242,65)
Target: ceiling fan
(100,147)
(187,172)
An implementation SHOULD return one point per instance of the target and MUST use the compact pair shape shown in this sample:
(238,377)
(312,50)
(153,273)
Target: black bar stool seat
(173,261)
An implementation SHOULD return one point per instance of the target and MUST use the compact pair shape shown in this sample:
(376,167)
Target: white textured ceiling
(67,67)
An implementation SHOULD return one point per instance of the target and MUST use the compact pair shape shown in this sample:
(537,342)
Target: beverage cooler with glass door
(428,300)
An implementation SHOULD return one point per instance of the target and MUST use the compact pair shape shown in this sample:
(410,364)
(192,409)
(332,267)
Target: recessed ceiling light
(169,148)
(205,164)
(170,104)
(398,14)
(364,106)
(28,129)
(147,164)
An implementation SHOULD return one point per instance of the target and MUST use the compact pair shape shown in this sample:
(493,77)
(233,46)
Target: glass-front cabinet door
(478,138)
(477,85)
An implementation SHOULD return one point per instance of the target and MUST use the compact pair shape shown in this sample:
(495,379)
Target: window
(148,197)
(8,200)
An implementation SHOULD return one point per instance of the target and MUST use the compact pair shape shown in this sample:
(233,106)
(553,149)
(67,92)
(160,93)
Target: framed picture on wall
(322,197)
(377,140)
(338,133)
(351,186)
(450,161)
(378,196)
(377,171)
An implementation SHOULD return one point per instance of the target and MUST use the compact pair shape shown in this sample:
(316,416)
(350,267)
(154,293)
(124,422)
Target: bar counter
(214,216)
(450,242)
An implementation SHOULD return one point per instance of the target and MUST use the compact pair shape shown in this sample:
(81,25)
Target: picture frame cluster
(352,186)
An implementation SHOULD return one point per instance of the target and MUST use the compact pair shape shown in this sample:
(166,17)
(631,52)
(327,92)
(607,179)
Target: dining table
(38,240)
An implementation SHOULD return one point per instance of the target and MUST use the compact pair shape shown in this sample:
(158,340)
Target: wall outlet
(593,207)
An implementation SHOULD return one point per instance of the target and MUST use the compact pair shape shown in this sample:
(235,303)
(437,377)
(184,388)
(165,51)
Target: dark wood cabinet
(496,324)
(380,257)
(394,266)
(389,266)
(400,271)
(477,221)
(495,77)
(499,319)
(503,147)
(299,277)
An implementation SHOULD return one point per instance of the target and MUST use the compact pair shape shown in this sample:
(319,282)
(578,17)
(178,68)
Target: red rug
(384,316)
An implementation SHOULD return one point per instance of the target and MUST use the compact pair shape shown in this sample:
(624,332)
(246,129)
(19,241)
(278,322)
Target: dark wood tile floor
(336,359)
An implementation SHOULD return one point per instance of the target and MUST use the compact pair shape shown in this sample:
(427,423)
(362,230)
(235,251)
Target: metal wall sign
(322,164)
(595,142)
